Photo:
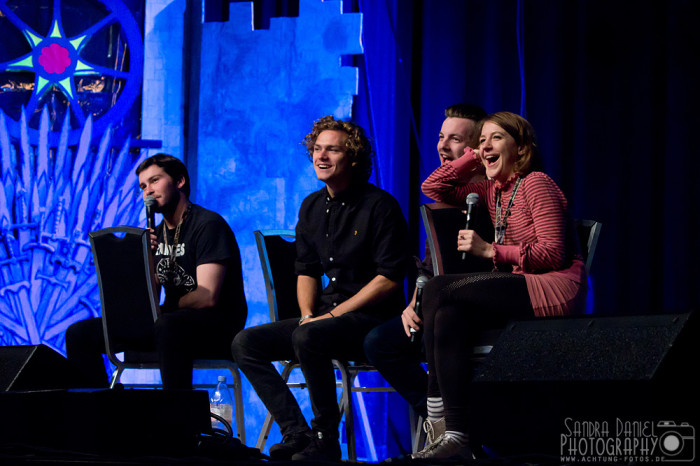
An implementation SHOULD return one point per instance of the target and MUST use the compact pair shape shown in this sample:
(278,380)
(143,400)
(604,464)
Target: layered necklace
(502,223)
(176,239)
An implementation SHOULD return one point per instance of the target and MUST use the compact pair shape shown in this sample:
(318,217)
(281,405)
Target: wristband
(303,318)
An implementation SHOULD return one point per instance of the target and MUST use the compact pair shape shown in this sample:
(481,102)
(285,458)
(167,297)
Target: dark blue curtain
(611,88)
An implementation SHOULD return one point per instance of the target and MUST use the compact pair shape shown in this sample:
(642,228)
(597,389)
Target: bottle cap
(222,378)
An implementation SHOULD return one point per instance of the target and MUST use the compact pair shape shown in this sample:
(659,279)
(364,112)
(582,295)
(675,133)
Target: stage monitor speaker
(110,423)
(544,375)
(33,367)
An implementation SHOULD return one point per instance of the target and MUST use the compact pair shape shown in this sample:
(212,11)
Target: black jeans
(178,338)
(314,345)
(455,309)
(399,361)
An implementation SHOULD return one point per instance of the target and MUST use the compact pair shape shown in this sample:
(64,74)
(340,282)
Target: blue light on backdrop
(49,201)
(63,90)
(259,92)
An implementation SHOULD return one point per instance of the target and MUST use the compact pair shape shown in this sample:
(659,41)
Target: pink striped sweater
(540,241)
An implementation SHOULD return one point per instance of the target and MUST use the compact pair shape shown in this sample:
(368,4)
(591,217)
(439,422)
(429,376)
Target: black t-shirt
(352,238)
(205,237)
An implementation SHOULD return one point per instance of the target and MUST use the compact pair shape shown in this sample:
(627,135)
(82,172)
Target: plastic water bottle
(221,404)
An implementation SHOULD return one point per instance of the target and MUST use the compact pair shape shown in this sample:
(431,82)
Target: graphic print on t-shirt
(175,276)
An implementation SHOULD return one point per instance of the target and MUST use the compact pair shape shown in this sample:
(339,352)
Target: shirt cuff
(466,164)
(394,274)
(312,270)
(506,254)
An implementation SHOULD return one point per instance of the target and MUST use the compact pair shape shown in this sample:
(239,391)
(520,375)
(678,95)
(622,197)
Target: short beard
(171,205)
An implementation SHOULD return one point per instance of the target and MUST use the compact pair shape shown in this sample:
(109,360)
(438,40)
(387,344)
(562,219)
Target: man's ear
(181,183)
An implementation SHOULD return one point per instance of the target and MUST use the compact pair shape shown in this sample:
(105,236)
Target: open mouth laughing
(491,159)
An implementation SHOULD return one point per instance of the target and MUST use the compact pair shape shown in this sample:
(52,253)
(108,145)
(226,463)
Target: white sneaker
(445,446)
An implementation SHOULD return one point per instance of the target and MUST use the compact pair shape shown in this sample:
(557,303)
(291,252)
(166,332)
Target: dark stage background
(611,89)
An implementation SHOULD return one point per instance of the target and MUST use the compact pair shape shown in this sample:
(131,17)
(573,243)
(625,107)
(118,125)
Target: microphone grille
(149,201)
(472,199)
(421,281)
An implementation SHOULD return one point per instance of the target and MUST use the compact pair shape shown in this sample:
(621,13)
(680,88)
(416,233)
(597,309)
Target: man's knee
(314,337)
(373,346)
(253,345)
(302,336)
(240,344)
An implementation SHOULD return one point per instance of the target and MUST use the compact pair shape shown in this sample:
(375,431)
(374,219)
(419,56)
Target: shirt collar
(509,182)
(350,195)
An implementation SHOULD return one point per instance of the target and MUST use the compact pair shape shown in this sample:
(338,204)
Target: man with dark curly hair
(355,234)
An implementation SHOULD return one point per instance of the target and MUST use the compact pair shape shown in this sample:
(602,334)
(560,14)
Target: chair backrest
(277,251)
(442,222)
(588,232)
(124,266)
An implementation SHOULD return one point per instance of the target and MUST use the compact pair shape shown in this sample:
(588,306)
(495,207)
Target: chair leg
(238,403)
(359,405)
(264,432)
(346,408)
(418,436)
(116,376)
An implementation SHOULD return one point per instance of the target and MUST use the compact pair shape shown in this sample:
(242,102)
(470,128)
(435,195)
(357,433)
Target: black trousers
(455,309)
(314,345)
(399,361)
(178,338)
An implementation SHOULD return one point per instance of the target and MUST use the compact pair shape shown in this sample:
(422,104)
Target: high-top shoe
(433,430)
(291,443)
(323,447)
(445,446)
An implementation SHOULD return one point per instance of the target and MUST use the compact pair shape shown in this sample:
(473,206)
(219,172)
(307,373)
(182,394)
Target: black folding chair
(124,266)
(277,253)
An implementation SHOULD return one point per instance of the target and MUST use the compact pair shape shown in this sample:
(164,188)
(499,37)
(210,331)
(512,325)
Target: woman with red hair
(537,271)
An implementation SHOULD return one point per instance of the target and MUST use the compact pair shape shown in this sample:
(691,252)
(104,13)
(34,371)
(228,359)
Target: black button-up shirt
(351,238)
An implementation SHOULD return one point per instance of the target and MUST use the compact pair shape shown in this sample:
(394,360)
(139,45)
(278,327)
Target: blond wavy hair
(358,145)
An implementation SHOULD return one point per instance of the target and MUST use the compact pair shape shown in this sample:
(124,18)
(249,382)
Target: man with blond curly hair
(355,234)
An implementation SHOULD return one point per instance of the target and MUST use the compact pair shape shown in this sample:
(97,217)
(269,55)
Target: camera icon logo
(676,441)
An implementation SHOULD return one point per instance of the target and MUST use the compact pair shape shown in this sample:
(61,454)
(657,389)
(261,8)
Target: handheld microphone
(150,202)
(420,283)
(472,204)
